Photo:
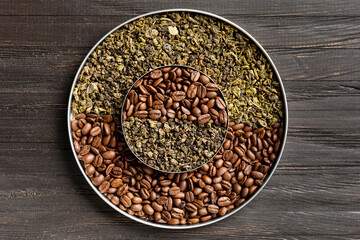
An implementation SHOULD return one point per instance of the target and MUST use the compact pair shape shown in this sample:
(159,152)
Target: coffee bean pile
(179,92)
(211,191)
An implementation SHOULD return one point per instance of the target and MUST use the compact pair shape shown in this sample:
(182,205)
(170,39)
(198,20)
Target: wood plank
(271,32)
(40,70)
(278,8)
(310,212)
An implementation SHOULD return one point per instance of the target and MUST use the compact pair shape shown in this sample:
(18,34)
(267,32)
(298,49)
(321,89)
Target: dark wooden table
(315,192)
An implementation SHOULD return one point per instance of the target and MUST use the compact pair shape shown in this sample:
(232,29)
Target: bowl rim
(70,116)
(175,66)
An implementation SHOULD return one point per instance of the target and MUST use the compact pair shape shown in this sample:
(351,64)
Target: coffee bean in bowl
(236,172)
(175,119)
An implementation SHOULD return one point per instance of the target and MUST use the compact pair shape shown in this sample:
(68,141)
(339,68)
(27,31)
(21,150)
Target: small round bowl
(70,116)
(122,119)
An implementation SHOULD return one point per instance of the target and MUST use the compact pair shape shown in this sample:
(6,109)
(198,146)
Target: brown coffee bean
(189,196)
(185,110)
(162,200)
(220,103)
(247,170)
(84,150)
(141,114)
(90,170)
(137,200)
(210,103)
(123,189)
(148,209)
(223,201)
(142,90)
(154,114)
(244,192)
(174,190)
(191,207)
(211,87)
(204,108)
(249,182)
(151,89)
(157,81)
(157,207)
(196,111)
(213,209)
(174,221)
(252,189)
(98,180)
(136,207)
(201,91)
(191,92)
(205,218)
(80,116)
(193,220)
(157,105)
(178,96)
(223,117)
(104,187)
(227,155)
(86,129)
(74,125)
(177,213)
(170,113)
(250,154)
(88,158)
(257,175)
(194,76)
(109,154)
(211,94)
(204,118)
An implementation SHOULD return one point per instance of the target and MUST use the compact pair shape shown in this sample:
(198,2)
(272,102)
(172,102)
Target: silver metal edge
(166,226)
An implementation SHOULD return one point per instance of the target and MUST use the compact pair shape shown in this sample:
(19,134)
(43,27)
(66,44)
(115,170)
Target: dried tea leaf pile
(218,49)
(175,145)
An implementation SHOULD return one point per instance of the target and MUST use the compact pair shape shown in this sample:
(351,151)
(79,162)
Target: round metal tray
(71,116)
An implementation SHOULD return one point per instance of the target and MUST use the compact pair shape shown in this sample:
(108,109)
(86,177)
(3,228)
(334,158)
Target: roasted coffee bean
(223,201)
(157,105)
(196,111)
(88,158)
(201,91)
(86,129)
(136,207)
(84,150)
(98,180)
(141,114)
(220,103)
(95,131)
(154,114)
(191,92)
(174,190)
(90,170)
(213,209)
(257,175)
(191,207)
(178,96)
(109,155)
(204,118)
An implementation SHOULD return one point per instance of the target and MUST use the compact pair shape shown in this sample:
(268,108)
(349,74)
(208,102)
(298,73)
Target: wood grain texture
(315,192)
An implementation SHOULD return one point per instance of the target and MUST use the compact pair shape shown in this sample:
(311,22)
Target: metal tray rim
(166,226)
